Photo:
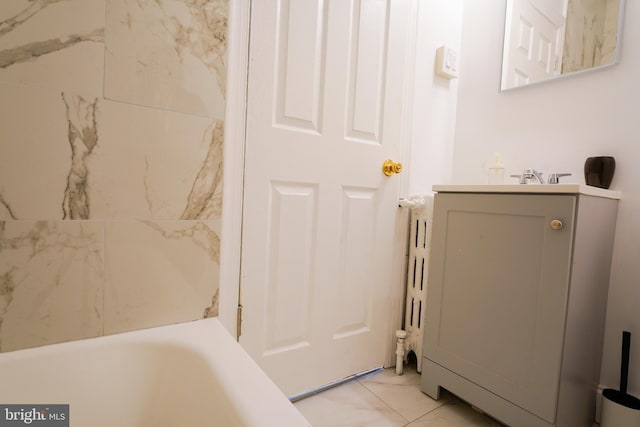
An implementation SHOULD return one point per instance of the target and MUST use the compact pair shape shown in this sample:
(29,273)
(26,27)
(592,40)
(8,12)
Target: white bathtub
(190,374)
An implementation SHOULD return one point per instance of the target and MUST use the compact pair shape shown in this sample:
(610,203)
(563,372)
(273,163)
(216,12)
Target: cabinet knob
(556,224)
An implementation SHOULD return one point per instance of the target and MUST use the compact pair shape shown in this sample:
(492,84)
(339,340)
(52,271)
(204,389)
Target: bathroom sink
(529,188)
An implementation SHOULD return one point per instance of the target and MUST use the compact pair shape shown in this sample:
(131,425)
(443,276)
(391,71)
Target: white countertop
(529,188)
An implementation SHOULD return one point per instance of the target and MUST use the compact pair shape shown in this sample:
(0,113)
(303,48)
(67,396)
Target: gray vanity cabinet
(516,302)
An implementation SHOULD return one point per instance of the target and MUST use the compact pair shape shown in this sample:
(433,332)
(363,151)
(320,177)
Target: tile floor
(383,399)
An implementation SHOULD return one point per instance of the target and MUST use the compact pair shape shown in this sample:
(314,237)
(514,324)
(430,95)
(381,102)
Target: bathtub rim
(256,399)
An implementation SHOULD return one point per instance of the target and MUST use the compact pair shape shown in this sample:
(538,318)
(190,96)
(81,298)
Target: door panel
(290,269)
(300,52)
(357,231)
(324,111)
(367,71)
(535,41)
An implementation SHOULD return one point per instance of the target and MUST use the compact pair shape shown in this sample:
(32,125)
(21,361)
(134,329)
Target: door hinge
(239,320)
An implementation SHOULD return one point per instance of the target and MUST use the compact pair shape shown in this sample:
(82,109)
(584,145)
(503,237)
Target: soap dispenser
(496,171)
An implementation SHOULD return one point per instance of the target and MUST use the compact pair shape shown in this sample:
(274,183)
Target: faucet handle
(554,178)
(521,178)
(528,174)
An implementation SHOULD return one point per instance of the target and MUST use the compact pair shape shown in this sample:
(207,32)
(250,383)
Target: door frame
(238,32)
(238,26)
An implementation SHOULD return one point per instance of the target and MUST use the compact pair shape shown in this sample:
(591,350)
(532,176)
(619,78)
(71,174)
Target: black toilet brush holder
(620,409)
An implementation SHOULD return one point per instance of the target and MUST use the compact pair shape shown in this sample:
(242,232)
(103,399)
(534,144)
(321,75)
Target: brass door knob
(389,167)
(556,224)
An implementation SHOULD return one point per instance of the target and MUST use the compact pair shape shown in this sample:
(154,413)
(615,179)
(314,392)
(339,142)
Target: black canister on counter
(598,171)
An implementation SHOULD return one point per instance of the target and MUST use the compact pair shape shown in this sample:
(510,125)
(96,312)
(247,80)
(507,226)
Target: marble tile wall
(590,34)
(111,128)
(610,36)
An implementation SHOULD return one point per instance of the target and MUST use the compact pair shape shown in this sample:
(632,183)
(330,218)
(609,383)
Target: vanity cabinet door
(497,292)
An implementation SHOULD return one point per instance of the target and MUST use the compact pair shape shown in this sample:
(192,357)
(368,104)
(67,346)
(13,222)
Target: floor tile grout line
(384,403)
(444,401)
(366,390)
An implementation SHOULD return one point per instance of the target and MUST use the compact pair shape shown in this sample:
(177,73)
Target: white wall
(434,107)
(553,127)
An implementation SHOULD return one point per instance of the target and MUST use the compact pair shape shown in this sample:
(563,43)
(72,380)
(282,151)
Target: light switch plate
(447,62)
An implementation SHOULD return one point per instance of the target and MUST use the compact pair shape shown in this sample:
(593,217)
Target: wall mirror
(548,39)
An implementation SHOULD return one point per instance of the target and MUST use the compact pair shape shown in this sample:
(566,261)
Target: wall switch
(447,62)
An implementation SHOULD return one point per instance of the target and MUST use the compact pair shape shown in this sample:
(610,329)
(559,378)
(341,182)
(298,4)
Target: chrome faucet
(528,174)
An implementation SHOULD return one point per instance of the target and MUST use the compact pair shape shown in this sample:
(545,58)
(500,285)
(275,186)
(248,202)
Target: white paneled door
(534,41)
(325,102)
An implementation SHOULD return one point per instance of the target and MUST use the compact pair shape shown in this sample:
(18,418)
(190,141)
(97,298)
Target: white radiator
(410,339)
